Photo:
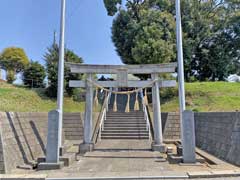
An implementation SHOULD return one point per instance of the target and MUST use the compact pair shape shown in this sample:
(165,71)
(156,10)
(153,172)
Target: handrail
(103,118)
(146,117)
(102,115)
(150,120)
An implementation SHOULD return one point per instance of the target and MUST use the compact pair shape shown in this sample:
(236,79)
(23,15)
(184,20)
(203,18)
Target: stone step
(141,122)
(123,134)
(124,125)
(127,117)
(125,128)
(125,113)
(124,119)
(137,126)
(125,137)
(125,131)
(125,122)
(120,118)
(128,122)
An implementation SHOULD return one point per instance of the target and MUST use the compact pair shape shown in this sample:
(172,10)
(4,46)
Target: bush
(78,95)
(168,93)
(34,75)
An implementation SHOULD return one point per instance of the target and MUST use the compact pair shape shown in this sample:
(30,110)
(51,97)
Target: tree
(51,58)
(210,34)
(34,75)
(13,60)
(206,53)
(142,35)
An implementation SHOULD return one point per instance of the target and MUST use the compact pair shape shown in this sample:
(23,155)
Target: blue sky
(30,24)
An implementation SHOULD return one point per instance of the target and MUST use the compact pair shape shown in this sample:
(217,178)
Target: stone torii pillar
(157,145)
(87,144)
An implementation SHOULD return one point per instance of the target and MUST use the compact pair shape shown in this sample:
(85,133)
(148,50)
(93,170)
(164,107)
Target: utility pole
(60,90)
(181,87)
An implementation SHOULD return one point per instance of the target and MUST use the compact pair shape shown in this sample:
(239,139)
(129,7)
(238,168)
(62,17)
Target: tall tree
(143,32)
(142,35)
(13,60)
(51,58)
(207,49)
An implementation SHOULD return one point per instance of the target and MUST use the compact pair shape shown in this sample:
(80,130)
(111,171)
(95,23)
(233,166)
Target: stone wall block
(24,136)
(219,134)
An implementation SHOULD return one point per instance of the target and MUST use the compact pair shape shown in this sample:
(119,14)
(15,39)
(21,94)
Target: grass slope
(20,99)
(206,96)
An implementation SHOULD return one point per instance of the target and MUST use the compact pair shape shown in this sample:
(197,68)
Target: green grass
(206,96)
(20,99)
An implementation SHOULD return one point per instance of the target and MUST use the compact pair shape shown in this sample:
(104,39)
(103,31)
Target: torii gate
(122,72)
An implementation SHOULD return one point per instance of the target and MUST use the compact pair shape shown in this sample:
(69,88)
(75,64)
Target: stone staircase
(122,125)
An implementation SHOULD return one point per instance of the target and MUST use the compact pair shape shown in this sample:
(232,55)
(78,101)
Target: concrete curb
(22,177)
(189,175)
(122,178)
(213,174)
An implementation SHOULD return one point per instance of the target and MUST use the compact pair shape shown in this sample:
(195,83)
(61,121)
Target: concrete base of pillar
(85,147)
(50,166)
(66,159)
(159,147)
(174,159)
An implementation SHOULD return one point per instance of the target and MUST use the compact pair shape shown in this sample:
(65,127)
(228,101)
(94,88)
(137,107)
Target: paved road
(129,158)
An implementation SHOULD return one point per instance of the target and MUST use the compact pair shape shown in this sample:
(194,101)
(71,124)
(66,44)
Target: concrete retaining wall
(23,136)
(219,134)
(216,132)
(2,166)
(170,125)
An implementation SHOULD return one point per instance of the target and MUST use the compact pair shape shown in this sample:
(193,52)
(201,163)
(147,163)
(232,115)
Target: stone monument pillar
(53,143)
(157,145)
(87,144)
(188,143)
